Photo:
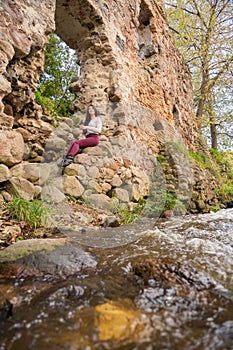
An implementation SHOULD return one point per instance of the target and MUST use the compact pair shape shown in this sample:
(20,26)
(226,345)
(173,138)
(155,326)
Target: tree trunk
(213,122)
(202,99)
(214,138)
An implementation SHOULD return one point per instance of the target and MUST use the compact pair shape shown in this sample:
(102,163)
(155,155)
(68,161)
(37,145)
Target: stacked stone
(97,175)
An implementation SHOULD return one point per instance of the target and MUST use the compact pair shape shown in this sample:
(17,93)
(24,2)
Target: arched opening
(61,68)
(82,28)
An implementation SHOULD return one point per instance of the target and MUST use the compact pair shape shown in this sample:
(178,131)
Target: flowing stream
(163,286)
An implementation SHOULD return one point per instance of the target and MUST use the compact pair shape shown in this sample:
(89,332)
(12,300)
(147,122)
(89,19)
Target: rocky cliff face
(130,70)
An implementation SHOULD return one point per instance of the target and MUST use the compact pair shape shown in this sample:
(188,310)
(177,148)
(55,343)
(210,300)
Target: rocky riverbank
(122,287)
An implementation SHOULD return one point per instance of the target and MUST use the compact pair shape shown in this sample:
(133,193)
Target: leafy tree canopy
(203,32)
(60,65)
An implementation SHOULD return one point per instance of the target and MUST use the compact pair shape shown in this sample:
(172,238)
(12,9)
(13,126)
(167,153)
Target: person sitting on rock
(91,129)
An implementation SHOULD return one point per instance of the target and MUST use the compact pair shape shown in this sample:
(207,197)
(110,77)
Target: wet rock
(6,310)
(57,257)
(120,321)
(168,285)
(64,293)
(111,221)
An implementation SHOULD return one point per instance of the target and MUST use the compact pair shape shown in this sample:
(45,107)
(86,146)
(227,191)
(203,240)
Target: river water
(163,286)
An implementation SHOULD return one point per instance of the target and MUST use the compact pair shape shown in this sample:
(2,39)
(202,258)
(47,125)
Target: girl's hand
(82,127)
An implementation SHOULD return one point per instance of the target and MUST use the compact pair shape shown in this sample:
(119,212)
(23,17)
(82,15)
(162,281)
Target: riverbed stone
(171,285)
(115,320)
(58,257)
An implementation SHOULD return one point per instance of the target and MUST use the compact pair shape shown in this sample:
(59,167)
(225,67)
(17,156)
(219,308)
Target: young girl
(91,129)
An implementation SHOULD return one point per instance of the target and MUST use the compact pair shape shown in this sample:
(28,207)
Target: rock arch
(134,91)
(106,38)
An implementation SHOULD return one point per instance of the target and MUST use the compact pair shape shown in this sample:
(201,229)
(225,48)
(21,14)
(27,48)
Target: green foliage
(202,30)
(160,201)
(60,66)
(32,212)
(75,200)
(225,161)
(161,158)
(46,103)
(215,208)
(127,216)
(227,189)
(202,160)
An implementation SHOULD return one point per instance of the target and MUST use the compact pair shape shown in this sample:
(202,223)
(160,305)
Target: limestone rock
(5,86)
(26,170)
(121,194)
(142,90)
(6,121)
(93,184)
(23,187)
(72,186)
(51,193)
(5,173)
(56,143)
(12,147)
(100,201)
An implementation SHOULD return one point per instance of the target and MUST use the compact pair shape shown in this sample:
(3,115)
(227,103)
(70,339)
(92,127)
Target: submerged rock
(172,286)
(57,257)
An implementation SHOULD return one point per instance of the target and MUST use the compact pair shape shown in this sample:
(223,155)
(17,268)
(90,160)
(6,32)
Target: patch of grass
(127,216)
(203,161)
(225,160)
(161,158)
(34,213)
(79,200)
(162,201)
(199,158)
(172,202)
(227,189)
(215,208)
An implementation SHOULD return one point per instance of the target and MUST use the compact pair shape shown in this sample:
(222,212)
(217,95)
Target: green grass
(34,213)
(225,160)
(127,216)
(201,160)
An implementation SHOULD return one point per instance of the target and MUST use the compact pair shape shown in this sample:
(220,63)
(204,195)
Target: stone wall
(130,70)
